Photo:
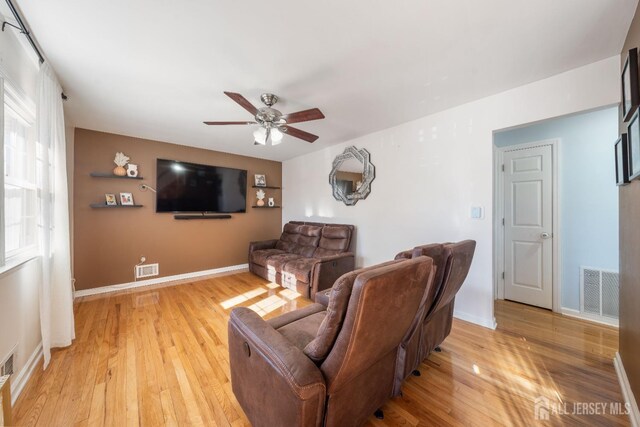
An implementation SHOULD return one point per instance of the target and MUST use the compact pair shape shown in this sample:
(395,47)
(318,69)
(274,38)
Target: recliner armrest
(322,297)
(327,269)
(264,244)
(267,371)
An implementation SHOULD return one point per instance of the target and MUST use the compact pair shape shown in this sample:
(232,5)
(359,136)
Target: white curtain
(56,294)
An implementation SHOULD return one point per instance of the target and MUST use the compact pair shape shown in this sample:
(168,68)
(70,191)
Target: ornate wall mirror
(352,175)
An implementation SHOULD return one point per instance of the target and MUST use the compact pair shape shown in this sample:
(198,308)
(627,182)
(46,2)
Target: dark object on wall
(190,187)
(201,216)
(629,81)
(633,138)
(622,160)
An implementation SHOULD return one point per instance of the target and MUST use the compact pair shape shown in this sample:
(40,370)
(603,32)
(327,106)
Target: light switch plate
(477,212)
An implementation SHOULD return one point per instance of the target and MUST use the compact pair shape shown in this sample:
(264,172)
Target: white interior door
(528,226)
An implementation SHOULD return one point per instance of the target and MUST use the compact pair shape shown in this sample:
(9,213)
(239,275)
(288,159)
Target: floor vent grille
(599,292)
(147,270)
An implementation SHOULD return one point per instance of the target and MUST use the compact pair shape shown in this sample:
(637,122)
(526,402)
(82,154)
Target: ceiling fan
(273,124)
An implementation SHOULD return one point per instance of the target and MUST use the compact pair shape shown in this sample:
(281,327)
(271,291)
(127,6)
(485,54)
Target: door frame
(498,235)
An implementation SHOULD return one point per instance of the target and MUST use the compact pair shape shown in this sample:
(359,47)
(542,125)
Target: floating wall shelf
(110,175)
(266,207)
(265,186)
(104,205)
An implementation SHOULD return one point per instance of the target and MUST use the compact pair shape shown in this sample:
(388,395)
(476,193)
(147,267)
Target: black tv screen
(189,187)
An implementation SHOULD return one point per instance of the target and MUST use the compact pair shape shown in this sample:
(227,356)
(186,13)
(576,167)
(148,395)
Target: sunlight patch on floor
(267,305)
(242,298)
(289,294)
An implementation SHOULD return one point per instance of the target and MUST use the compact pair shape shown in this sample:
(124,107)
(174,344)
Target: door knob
(545,235)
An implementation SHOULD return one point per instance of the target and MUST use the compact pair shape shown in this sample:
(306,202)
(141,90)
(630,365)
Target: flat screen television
(190,187)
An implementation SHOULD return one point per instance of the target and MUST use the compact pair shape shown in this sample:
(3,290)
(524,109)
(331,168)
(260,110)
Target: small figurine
(132,170)
(271,202)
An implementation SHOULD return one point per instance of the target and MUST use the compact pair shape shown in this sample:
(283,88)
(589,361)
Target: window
(19,178)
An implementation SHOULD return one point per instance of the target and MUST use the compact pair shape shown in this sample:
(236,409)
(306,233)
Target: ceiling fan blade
(229,123)
(243,102)
(309,137)
(304,116)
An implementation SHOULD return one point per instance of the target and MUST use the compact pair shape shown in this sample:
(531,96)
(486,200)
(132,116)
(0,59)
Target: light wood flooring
(158,356)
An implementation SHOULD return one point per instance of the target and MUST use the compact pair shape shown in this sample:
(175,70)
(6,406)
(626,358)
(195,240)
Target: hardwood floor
(158,356)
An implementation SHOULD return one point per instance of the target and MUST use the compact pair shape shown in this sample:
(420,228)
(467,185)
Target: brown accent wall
(630,256)
(108,243)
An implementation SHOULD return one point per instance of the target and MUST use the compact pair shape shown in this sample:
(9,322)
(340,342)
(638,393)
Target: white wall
(19,304)
(429,172)
(587,190)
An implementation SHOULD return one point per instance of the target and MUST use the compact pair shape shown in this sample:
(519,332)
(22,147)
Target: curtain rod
(23,29)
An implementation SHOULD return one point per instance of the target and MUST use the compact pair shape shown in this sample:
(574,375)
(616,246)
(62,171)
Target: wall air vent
(599,294)
(147,270)
(6,368)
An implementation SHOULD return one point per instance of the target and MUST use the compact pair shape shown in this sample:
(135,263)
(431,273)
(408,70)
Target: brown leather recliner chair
(331,366)
(452,262)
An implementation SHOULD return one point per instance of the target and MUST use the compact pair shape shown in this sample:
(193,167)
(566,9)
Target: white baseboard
(165,279)
(630,400)
(589,317)
(487,323)
(25,373)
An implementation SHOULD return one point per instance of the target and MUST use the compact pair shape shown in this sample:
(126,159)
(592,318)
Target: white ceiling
(157,68)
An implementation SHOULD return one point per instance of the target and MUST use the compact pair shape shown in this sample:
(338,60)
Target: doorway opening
(556,215)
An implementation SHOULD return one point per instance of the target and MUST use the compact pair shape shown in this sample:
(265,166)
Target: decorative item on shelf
(121,160)
(111,199)
(622,160)
(260,180)
(630,85)
(126,199)
(260,195)
(271,202)
(132,170)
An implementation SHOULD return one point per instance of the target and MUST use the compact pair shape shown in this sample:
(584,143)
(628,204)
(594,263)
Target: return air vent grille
(7,366)
(599,292)
(147,270)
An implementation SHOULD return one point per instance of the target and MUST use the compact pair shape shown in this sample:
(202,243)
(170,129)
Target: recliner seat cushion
(301,332)
(260,256)
(278,261)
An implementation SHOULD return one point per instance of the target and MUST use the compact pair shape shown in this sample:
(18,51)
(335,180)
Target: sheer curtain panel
(56,293)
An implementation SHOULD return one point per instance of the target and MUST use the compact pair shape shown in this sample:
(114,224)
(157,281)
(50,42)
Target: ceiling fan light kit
(273,124)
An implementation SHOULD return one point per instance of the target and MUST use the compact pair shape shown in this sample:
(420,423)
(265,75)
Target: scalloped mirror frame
(368,175)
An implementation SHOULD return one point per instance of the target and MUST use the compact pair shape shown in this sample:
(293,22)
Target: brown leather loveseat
(307,258)
(328,366)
